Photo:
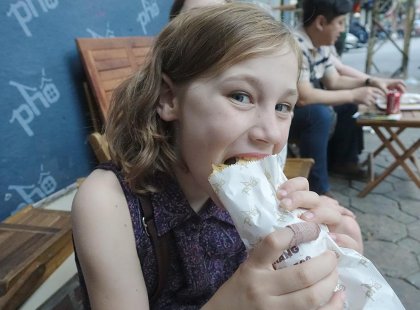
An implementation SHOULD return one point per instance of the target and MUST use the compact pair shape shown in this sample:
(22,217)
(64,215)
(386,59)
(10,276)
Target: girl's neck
(195,195)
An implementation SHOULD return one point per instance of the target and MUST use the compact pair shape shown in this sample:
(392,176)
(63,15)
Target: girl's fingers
(332,203)
(292,185)
(336,302)
(299,277)
(322,215)
(345,211)
(322,211)
(300,199)
(266,252)
(312,296)
(346,241)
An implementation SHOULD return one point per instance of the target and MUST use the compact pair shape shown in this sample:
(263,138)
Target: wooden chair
(107,62)
(33,243)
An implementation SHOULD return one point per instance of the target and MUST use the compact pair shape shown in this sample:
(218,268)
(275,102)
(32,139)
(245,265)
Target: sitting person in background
(335,144)
(324,92)
(202,98)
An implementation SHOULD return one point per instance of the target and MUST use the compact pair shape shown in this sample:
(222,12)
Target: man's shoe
(350,171)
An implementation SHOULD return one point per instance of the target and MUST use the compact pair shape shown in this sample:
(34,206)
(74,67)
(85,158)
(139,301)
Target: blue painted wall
(44,121)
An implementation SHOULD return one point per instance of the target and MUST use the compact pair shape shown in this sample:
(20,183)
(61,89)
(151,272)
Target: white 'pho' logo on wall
(25,10)
(45,186)
(46,94)
(108,33)
(150,11)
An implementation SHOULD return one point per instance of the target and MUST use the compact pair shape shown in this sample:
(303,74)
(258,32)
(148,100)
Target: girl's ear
(168,103)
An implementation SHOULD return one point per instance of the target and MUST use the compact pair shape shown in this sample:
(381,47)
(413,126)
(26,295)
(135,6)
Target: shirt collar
(303,37)
(171,208)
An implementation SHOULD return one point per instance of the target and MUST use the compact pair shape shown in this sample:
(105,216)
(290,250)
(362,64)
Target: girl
(220,84)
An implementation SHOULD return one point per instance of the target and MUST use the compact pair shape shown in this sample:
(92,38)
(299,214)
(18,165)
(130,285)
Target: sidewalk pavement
(389,217)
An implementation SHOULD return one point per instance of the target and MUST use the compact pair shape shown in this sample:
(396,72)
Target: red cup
(393,102)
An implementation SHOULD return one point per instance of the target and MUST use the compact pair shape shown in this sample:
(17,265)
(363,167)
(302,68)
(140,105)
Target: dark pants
(311,128)
(347,141)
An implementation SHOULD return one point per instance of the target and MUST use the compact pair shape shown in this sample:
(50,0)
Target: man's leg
(347,141)
(310,127)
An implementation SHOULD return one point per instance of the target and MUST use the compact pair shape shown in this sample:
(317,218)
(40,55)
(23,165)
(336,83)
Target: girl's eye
(283,108)
(241,97)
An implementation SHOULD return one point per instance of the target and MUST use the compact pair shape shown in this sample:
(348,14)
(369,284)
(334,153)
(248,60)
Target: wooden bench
(107,62)
(33,243)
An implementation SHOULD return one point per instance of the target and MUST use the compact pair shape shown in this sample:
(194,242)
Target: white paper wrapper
(248,192)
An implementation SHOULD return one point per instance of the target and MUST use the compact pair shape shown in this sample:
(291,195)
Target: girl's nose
(269,128)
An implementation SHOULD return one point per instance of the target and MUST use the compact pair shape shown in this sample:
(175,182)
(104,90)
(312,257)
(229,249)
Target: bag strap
(159,244)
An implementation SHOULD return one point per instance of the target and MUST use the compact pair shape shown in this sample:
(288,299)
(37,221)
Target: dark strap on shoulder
(159,244)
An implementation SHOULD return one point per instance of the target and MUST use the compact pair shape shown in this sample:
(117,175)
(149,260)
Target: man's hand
(388,84)
(367,95)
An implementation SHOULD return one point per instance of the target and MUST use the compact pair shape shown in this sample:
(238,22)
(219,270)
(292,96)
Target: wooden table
(389,132)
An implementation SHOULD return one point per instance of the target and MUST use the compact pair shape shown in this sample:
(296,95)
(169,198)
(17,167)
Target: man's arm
(360,95)
(310,95)
(382,83)
(333,80)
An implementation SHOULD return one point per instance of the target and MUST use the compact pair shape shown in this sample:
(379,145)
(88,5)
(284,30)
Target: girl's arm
(105,245)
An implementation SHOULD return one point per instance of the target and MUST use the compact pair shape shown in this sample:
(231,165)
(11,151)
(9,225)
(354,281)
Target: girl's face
(244,111)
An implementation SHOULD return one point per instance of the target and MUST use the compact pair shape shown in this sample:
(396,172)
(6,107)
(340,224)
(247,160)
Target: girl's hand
(256,285)
(341,222)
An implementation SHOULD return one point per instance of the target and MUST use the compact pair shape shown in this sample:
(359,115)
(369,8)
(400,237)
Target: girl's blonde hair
(200,42)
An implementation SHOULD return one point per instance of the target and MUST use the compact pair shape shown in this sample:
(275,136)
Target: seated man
(335,150)
(322,90)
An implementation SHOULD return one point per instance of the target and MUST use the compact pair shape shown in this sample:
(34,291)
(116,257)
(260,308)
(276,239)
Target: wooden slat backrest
(108,62)
(33,244)
(298,167)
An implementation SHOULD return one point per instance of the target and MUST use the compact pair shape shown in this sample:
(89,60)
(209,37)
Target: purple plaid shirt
(205,249)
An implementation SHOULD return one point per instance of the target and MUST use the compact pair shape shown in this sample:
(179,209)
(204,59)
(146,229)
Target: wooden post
(372,36)
(407,36)
(375,24)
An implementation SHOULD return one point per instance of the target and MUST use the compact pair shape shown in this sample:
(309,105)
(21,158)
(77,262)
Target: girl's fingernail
(333,236)
(281,193)
(308,215)
(286,203)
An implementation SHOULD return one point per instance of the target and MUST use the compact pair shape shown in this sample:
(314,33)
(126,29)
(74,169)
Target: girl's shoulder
(101,186)
(100,200)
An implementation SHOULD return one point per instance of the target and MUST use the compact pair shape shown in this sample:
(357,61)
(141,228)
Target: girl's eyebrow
(243,77)
(289,92)
(252,80)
